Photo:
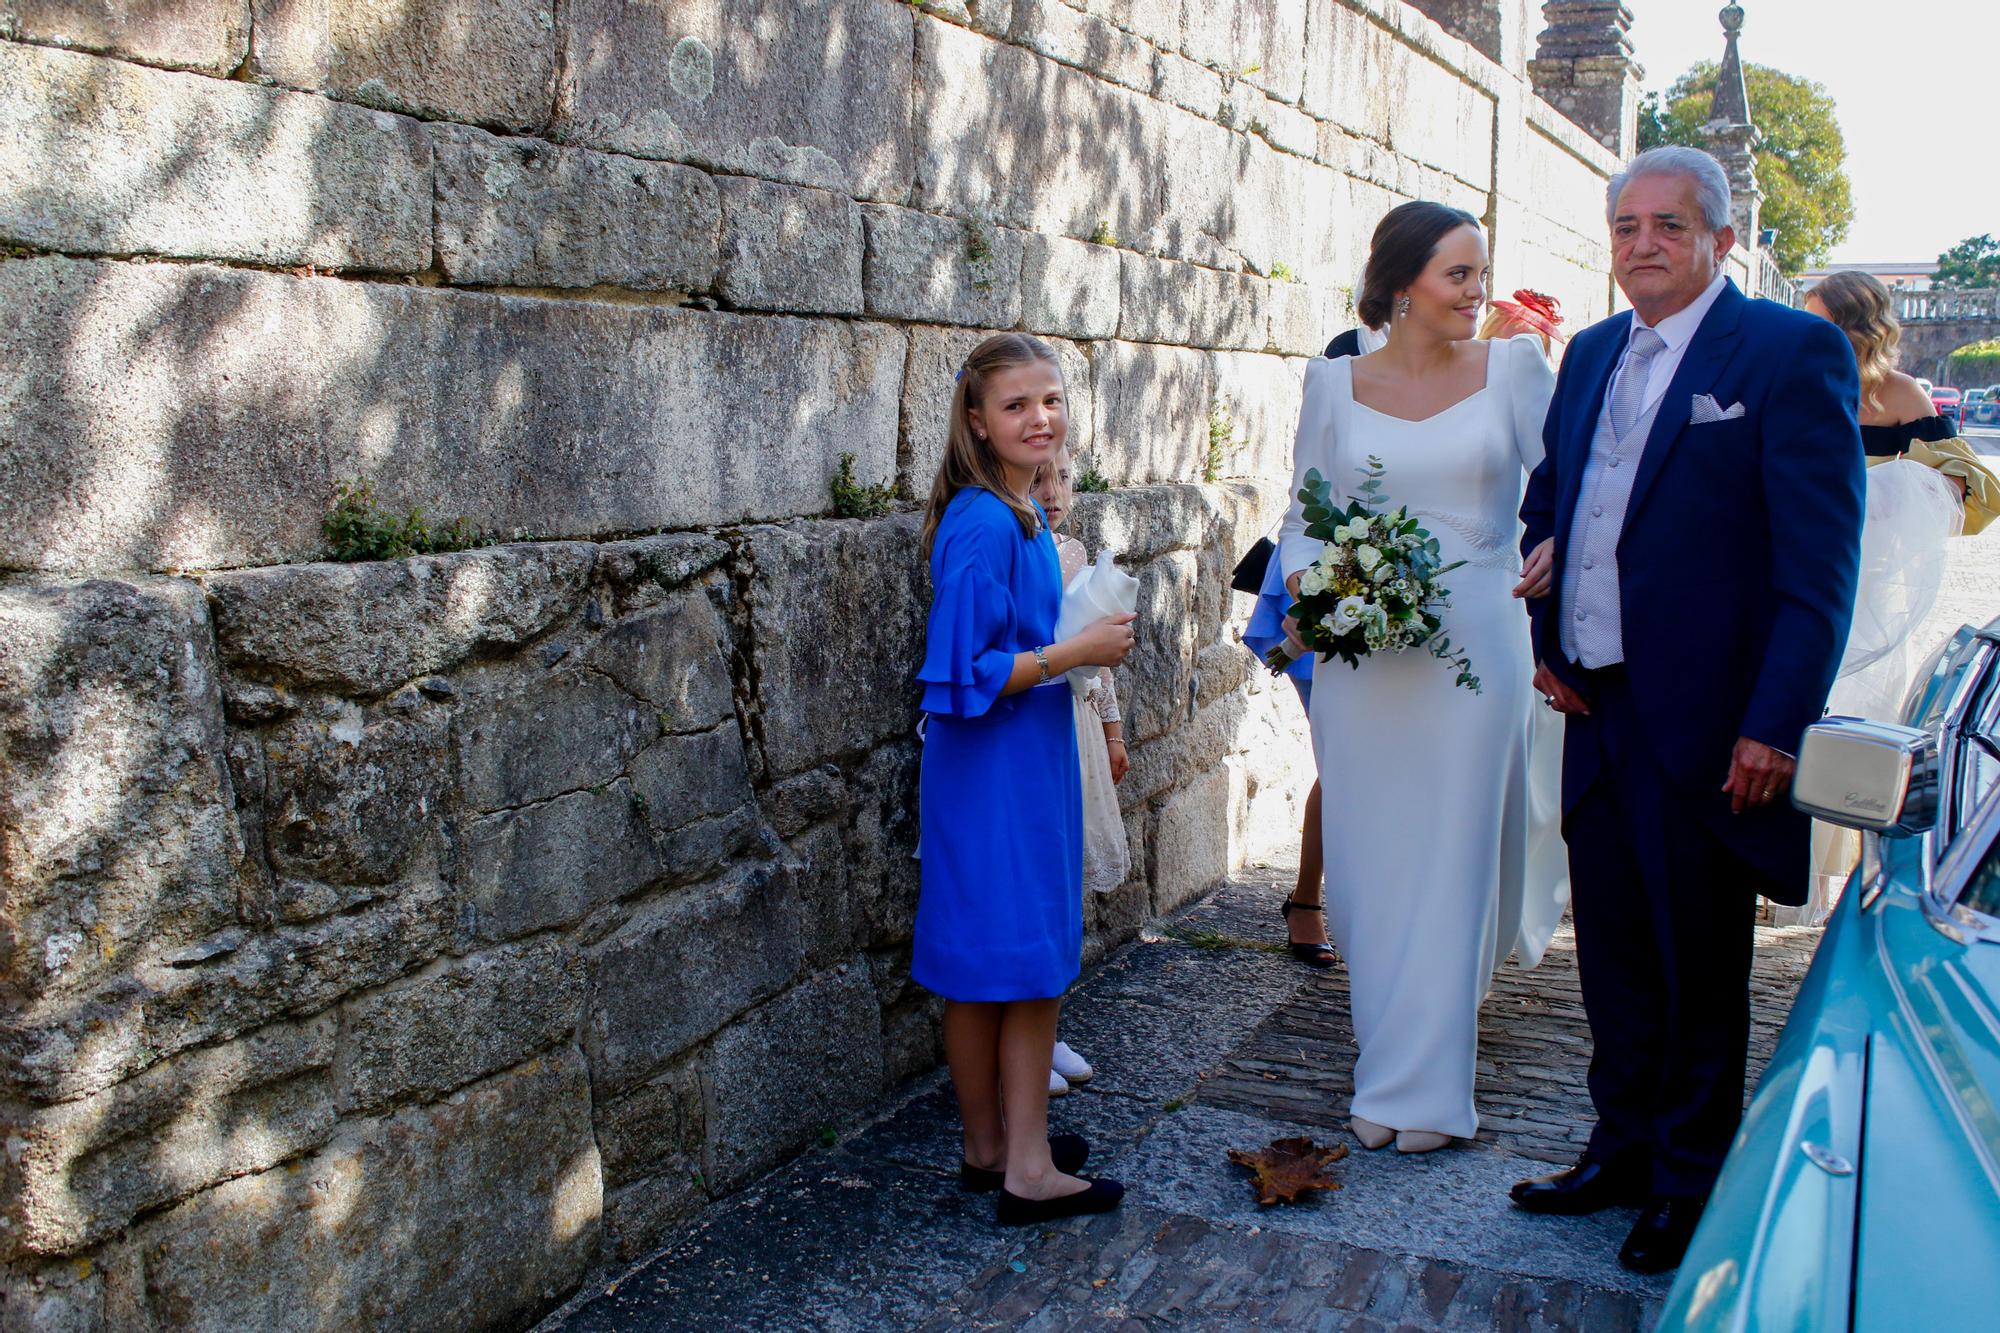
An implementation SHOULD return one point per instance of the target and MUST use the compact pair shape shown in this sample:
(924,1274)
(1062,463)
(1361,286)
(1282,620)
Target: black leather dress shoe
(1068,1152)
(1101,1197)
(1584,1188)
(1659,1239)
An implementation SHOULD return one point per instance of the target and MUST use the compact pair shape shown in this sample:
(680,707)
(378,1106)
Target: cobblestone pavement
(1205,1038)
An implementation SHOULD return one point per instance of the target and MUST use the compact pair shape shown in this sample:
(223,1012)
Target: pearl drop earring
(1403,307)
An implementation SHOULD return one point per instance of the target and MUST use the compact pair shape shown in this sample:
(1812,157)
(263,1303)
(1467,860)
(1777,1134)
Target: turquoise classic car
(1863,1190)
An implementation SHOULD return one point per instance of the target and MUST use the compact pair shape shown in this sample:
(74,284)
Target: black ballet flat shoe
(1015,1211)
(1312,955)
(1068,1152)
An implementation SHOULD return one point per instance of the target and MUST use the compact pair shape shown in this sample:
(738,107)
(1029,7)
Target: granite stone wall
(387,944)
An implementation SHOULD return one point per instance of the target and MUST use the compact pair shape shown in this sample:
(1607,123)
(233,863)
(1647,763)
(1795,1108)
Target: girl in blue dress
(1000,919)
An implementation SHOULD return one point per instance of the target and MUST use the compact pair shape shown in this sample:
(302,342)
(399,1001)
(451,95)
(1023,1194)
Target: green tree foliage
(1977,364)
(1801,164)
(1972,264)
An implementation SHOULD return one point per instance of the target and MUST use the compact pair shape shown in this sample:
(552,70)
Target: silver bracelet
(1042,658)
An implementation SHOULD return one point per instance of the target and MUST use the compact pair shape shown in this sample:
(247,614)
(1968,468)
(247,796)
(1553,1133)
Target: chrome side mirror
(1868,775)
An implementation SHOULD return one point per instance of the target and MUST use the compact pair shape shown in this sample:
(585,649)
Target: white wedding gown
(1439,860)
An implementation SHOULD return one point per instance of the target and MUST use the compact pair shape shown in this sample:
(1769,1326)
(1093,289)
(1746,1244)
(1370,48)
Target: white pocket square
(1706,409)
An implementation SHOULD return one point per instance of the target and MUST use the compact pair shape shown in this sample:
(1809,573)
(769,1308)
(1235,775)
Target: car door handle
(1826,1159)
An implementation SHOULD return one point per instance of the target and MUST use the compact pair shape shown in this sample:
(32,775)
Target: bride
(1426,801)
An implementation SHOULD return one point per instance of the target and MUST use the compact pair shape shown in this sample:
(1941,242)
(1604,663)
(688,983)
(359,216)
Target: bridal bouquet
(1374,587)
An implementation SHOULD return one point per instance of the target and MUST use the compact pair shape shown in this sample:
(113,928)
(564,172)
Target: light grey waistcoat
(1592,629)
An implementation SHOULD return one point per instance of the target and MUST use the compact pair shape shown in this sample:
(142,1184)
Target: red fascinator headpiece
(1535,310)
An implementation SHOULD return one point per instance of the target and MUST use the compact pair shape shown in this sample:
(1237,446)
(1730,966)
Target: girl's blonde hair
(969,460)
(1861,306)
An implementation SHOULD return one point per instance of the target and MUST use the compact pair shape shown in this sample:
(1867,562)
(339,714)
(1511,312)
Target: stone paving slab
(1184,1026)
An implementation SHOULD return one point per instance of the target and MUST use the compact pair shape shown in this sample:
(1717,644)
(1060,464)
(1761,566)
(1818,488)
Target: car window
(1982,891)
(1978,757)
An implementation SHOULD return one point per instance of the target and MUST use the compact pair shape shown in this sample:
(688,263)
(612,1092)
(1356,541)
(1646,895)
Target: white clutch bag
(1097,591)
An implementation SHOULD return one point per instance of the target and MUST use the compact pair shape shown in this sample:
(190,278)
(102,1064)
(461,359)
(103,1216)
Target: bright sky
(1914,85)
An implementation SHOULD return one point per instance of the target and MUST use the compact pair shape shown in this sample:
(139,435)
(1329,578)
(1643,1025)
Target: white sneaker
(1071,1065)
(1058,1085)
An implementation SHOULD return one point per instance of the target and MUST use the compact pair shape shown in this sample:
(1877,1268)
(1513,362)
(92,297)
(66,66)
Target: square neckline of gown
(1491,343)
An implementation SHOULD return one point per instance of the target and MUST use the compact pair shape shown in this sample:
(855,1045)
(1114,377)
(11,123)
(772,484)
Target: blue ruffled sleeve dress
(1000,916)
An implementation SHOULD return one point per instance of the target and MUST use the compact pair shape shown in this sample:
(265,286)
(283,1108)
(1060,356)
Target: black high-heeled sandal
(1312,955)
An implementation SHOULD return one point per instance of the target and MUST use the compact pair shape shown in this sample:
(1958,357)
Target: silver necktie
(1631,391)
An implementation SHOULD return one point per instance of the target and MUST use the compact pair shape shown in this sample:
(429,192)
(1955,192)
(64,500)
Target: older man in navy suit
(1702,493)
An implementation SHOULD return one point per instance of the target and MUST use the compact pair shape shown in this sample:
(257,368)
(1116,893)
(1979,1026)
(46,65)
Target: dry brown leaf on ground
(1289,1168)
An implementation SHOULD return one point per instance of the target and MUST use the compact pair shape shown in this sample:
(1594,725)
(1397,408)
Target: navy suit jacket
(1742,542)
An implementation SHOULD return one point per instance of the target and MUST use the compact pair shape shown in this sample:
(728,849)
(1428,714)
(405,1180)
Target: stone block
(479,1211)
(684,778)
(366,628)
(1069,289)
(760,1108)
(347,799)
(1259,397)
(552,863)
(82,1170)
(219,988)
(882,873)
(936,356)
(789,248)
(654,1129)
(1164,302)
(829,908)
(56,1296)
(683,967)
(837,612)
(637,1215)
(525,213)
(1305,317)
(646,571)
(674,657)
(525,416)
(797,803)
(110,158)
(759,88)
(118,832)
(1153,402)
(482,62)
(941,270)
(458,1021)
(1141,522)
(1187,85)
(1059,31)
(1028,143)
(1260,41)
(1160,669)
(1362,76)
(1191,843)
(498,408)
(211,36)
(1160,22)
(533,736)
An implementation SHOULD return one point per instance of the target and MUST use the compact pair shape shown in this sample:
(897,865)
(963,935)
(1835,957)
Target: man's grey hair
(1711,182)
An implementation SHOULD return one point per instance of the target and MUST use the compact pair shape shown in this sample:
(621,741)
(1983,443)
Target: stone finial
(1732,99)
(1731,132)
(1583,67)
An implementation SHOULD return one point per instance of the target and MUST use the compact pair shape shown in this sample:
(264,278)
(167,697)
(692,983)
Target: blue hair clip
(959,376)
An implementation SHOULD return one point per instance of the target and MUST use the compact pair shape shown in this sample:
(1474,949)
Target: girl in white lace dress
(1100,748)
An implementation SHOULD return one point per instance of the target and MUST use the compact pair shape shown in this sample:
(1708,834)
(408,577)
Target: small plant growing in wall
(356,528)
(1087,478)
(1221,441)
(979,252)
(1282,272)
(1102,234)
(853,500)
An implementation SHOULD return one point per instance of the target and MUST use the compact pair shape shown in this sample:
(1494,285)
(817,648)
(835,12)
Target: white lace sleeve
(1103,697)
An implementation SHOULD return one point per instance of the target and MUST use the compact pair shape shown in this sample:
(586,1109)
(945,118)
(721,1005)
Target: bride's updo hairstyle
(1404,241)
(969,460)
(1862,309)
